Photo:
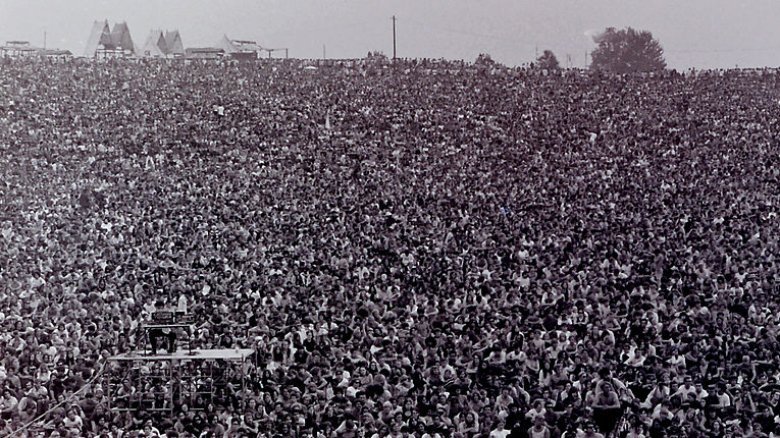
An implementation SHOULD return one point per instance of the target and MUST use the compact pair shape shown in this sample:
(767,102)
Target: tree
(627,51)
(548,61)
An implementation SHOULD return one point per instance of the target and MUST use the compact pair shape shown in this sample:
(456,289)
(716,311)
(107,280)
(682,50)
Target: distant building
(204,53)
(105,43)
(23,49)
(56,54)
(18,49)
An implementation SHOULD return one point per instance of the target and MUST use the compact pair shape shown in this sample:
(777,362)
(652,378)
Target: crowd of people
(414,249)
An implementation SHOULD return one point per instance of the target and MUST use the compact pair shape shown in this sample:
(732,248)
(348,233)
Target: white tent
(243,48)
(155,46)
(173,43)
(99,38)
(120,37)
(227,45)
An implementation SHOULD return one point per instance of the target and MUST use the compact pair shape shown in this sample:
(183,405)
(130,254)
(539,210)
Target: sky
(694,33)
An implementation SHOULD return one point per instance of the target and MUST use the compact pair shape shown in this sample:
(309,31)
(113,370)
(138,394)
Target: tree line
(618,51)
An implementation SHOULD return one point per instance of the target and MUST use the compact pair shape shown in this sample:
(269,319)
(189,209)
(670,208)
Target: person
(27,407)
(499,431)
(181,306)
(73,423)
(687,393)
(606,408)
(538,410)
(8,404)
(161,332)
(636,430)
(539,429)
(589,431)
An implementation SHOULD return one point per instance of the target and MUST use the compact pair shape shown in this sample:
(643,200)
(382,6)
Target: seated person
(156,333)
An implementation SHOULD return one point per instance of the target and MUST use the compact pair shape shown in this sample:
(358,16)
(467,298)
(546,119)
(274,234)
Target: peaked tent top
(227,45)
(173,43)
(120,37)
(155,45)
(99,36)
(238,46)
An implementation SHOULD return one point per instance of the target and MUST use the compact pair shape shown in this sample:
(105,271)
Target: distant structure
(159,45)
(174,44)
(19,49)
(99,37)
(120,37)
(155,45)
(240,49)
(56,54)
(23,49)
(204,53)
(106,43)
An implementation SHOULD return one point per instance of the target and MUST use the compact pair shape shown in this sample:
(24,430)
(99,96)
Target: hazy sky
(694,33)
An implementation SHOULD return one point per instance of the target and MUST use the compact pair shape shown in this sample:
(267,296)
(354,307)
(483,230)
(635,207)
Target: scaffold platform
(141,381)
(197,354)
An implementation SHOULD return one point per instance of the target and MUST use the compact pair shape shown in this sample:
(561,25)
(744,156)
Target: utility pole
(323,52)
(44,39)
(395,53)
(286,53)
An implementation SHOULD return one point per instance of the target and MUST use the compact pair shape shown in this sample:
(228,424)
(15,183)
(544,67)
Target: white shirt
(182,304)
(500,433)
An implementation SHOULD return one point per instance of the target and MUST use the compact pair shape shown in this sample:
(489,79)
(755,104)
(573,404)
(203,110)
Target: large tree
(627,51)
(548,61)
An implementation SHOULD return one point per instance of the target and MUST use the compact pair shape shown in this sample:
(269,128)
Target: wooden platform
(223,354)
